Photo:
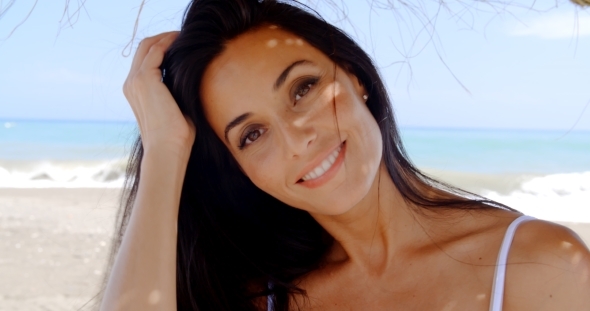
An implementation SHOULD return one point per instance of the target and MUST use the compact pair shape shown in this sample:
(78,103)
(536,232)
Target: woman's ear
(360,88)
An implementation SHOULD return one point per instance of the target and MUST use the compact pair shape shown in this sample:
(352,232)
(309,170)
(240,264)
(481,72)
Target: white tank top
(497,297)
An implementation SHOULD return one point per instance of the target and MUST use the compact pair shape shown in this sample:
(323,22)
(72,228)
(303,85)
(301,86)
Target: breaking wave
(555,197)
(62,174)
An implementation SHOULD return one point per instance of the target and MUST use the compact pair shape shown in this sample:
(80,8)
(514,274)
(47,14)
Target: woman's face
(297,124)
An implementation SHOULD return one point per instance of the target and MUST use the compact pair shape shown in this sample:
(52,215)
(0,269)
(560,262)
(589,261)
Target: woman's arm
(143,276)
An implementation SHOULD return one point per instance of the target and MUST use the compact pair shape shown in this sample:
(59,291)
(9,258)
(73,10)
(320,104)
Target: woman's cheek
(263,172)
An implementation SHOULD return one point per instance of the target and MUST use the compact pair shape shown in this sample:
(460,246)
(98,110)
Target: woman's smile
(322,173)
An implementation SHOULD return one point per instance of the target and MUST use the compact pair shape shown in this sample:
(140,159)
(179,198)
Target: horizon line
(401,127)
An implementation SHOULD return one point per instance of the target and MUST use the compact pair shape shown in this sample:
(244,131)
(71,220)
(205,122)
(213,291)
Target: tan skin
(386,256)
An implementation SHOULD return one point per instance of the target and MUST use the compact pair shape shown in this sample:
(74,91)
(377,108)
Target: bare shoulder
(548,269)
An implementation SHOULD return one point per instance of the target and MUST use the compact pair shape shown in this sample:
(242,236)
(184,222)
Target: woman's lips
(325,170)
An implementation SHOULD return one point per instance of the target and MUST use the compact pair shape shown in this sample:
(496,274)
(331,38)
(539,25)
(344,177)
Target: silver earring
(365,97)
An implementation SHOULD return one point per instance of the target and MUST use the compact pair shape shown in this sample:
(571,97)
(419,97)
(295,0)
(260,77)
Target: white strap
(270,303)
(497,297)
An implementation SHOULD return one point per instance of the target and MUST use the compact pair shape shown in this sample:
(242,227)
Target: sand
(54,244)
(478,182)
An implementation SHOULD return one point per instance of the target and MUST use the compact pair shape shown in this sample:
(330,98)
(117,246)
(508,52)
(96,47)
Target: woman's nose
(297,136)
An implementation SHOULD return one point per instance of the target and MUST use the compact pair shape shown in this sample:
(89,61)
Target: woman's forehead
(248,67)
(261,53)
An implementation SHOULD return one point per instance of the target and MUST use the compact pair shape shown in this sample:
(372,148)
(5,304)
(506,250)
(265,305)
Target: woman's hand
(161,123)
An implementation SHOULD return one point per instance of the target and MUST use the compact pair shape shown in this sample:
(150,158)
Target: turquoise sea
(522,168)
(499,151)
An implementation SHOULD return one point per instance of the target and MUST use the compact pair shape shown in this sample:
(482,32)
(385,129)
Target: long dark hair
(236,243)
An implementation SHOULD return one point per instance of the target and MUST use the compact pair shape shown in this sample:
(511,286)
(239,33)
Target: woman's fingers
(151,49)
(155,54)
(141,71)
(144,48)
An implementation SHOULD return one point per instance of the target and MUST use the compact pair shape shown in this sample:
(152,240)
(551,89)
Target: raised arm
(143,276)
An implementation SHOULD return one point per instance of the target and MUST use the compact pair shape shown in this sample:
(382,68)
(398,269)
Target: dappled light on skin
(272,43)
(289,41)
(336,89)
(576,258)
(299,42)
(566,244)
(154,297)
(299,122)
(480,297)
(331,91)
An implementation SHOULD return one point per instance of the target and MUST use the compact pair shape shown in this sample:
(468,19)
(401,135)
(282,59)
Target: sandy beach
(53,246)
(54,243)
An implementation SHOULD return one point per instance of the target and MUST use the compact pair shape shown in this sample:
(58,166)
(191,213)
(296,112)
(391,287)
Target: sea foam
(555,197)
(63,174)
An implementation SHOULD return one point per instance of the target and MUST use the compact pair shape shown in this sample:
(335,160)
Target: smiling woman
(282,183)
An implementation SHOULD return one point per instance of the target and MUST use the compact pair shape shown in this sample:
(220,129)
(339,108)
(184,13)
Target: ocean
(542,173)
(64,154)
(545,174)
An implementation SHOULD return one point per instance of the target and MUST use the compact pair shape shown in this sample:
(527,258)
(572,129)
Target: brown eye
(250,137)
(303,88)
(302,91)
(253,135)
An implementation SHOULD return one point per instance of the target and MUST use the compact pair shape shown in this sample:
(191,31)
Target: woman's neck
(372,232)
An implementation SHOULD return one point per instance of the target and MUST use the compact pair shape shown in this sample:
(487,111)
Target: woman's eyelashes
(249,136)
(302,87)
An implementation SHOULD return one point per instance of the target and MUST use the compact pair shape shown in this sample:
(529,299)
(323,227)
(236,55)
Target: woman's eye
(304,88)
(250,137)
(302,91)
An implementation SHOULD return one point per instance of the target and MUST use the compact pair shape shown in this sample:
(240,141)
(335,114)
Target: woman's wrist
(163,170)
(169,151)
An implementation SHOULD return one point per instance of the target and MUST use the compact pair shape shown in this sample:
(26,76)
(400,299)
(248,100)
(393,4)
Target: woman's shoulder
(548,266)
(548,269)
(539,239)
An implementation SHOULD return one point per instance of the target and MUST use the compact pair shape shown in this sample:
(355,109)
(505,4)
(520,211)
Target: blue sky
(528,69)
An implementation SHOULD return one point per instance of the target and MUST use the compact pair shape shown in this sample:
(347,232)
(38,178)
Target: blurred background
(491,96)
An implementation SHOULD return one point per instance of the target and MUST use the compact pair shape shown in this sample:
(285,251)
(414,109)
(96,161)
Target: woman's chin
(337,205)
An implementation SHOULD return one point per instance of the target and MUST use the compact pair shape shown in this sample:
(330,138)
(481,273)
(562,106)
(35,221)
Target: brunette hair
(234,240)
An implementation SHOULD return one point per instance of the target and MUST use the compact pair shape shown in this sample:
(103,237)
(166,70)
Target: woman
(281,184)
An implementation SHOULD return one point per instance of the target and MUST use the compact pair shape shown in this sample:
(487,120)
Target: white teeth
(324,166)
(318,171)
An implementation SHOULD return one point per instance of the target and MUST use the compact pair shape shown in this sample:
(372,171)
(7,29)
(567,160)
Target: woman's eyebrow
(235,122)
(283,76)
